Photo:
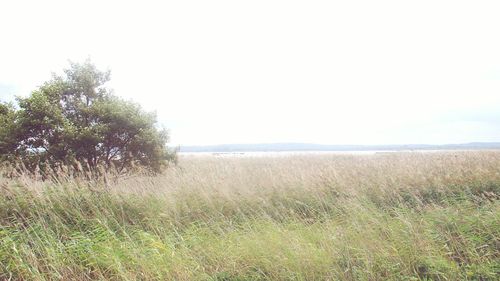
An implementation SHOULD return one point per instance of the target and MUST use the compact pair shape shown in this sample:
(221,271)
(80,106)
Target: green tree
(8,131)
(76,117)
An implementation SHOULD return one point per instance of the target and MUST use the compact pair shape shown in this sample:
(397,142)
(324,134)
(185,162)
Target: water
(299,153)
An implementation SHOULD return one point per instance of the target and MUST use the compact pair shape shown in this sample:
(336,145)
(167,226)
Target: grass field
(400,216)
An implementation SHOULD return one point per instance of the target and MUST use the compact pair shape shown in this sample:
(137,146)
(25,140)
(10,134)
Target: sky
(329,72)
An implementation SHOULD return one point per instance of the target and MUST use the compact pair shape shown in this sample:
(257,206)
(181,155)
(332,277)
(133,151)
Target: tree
(8,129)
(75,117)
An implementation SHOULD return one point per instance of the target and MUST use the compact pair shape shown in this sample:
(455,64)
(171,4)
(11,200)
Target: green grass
(405,217)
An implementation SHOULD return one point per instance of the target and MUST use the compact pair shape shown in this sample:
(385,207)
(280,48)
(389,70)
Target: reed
(398,216)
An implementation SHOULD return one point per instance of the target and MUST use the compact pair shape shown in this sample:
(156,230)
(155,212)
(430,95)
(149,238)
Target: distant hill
(277,147)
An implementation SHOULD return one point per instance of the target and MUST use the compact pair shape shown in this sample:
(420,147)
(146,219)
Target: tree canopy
(74,117)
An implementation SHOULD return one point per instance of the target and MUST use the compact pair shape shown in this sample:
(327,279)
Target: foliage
(75,118)
(8,129)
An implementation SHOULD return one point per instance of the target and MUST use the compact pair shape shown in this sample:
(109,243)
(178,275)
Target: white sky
(333,72)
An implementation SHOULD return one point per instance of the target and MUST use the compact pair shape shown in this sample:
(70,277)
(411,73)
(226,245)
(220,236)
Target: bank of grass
(405,216)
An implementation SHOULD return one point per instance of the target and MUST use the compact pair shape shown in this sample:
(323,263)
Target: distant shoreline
(304,147)
(278,154)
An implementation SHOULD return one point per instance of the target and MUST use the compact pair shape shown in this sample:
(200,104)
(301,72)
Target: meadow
(393,216)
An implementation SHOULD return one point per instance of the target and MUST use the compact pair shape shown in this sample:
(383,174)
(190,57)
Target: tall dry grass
(396,216)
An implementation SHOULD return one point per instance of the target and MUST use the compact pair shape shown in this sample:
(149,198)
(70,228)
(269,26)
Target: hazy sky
(334,72)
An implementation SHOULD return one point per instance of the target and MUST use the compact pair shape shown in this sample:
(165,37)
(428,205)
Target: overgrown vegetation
(74,119)
(430,216)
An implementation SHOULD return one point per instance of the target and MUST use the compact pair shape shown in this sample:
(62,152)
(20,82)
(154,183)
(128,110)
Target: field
(395,216)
